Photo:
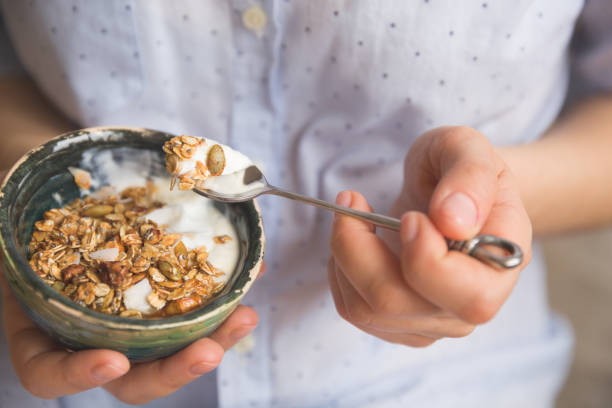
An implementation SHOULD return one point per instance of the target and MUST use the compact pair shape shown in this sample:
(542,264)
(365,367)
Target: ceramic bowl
(28,191)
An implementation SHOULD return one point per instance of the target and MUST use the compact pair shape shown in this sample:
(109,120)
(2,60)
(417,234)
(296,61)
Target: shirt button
(255,19)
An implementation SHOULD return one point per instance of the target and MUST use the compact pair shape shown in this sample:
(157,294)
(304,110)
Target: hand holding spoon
(250,183)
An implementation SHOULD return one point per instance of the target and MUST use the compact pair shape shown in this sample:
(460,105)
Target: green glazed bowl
(28,192)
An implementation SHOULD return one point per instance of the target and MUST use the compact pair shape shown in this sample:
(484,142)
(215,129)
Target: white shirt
(328,95)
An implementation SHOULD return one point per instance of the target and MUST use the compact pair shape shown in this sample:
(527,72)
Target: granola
(95,249)
(182,148)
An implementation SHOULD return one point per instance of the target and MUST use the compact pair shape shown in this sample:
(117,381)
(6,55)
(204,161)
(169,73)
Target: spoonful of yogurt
(229,176)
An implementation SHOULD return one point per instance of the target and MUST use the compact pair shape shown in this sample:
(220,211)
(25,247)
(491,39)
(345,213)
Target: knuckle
(454,135)
(126,398)
(31,386)
(459,134)
(359,315)
(129,396)
(417,341)
(480,310)
(462,331)
(341,309)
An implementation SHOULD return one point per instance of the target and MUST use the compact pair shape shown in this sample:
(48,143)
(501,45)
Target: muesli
(104,253)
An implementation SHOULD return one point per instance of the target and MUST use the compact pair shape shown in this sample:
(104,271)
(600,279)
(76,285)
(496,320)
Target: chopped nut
(71,271)
(113,273)
(182,305)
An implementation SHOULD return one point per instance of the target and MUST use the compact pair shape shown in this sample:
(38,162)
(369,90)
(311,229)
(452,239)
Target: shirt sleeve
(9,62)
(591,51)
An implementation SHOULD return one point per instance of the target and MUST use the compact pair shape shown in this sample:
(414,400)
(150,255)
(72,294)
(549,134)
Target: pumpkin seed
(215,160)
(99,210)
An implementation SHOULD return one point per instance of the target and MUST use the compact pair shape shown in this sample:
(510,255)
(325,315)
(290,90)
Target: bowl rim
(14,260)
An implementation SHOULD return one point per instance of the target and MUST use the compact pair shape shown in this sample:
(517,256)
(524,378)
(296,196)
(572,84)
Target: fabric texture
(327,95)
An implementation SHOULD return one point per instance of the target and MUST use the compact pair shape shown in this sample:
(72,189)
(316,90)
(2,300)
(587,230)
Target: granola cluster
(182,148)
(94,249)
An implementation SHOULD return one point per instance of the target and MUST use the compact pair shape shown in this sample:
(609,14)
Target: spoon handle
(510,257)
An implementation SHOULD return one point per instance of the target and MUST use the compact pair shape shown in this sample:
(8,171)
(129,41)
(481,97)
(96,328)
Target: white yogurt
(185,212)
(234,160)
(231,179)
(136,297)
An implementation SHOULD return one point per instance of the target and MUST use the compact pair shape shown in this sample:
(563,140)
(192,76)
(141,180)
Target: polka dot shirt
(327,95)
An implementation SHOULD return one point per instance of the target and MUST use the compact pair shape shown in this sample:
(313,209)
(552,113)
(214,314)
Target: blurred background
(580,285)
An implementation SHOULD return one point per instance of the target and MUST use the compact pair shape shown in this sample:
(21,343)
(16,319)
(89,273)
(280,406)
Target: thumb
(466,191)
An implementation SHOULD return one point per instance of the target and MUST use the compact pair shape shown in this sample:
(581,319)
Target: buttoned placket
(244,376)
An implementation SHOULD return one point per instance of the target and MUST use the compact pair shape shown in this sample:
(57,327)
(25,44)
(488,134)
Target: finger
(357,311)
(452,280)
(370,266)
(13,316)
(148,381)
(408,339)
(335,289)
(237,326)
(508,217)
(468,168)
(45,368)
(55,373)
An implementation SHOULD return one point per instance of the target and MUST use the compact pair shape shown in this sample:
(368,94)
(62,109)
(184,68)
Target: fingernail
(461,208)
(410,226)
(344,198)
(237,334)
(105,372)
(202,367)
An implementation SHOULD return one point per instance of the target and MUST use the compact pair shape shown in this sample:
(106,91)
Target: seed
(108,299)
(168,270)
(70,289)
(180,251)
(172,164)
(58,285)
(99,210)
(215,161)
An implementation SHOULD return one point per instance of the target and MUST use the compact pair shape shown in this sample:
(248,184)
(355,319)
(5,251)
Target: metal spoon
(255,184)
